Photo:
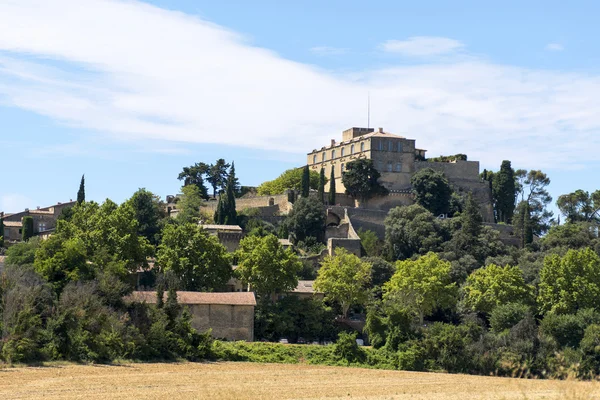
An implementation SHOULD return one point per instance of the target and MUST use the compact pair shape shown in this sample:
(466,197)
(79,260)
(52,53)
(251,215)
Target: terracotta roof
(305,287)
(227,298)
(16,224)
(223,227)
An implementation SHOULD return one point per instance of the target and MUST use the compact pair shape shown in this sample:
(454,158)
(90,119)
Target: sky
(129,92)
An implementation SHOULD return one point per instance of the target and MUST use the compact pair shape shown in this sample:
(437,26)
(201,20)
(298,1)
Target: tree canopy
(361,180)
(432,191)
(307,219)
(290,179)
(580,206)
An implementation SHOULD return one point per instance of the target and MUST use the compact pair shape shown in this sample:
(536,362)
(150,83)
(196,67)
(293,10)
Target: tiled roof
(305,287)
(16,224)
(223,227)
(227,298)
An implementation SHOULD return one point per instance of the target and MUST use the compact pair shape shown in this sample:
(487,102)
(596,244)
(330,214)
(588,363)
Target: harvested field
(268,381)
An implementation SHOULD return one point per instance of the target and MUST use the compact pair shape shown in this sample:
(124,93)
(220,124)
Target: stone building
(230,316)
(229,235)
(44,221)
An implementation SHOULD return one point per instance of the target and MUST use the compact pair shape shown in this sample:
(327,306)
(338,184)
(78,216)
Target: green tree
(217,175)
(149,211)
(432,191)
(361,180)
(504,192)
(580,206)
(234,181)
(344,278)
(570,283)
(523,224)
(371,244)
(422,285)
(81,191)
(290,179)
(193,175)
(322,185)
(1,233)
(305,181)
(189,204)
(27,231)
(266,267)
(226,213)
(23,253)
(61,260)
(332,189)
(491,286)
(412,230)
(532,189)
(196,258)
(307,219)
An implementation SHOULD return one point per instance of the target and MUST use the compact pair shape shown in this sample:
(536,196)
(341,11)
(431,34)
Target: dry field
(268,381)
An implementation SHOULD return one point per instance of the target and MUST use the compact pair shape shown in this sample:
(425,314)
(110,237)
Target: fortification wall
(267,205)
(462,170)
(386,203)
(352,245)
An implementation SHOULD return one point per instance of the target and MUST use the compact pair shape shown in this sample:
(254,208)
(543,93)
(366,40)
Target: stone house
(44,221)
(228,235)
(229,315)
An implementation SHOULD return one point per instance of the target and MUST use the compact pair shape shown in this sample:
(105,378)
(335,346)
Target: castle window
(342,150)
(398,166)
(389,166)
(352,149)
(41,227)
(342,167)
(315,159)
(390,146)
(323,157)
(400,147)
(332,154)
(362,146)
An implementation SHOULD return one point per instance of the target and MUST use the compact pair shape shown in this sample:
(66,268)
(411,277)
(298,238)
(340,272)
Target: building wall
(352,245)
(231,322)
(463,170)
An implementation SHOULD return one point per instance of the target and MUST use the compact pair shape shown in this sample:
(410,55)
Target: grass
(229,380)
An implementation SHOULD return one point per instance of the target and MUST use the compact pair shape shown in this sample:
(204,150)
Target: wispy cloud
(328,51)
(153,74)
(422,46)
(555,47)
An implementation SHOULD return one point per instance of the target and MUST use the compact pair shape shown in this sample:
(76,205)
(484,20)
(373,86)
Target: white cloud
(555,47)
(137,72)
(328,51)
(422,46)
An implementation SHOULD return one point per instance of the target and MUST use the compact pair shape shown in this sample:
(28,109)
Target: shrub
(347,349)
(506,316)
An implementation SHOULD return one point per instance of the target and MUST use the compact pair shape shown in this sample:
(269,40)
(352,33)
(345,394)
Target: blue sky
(130,92)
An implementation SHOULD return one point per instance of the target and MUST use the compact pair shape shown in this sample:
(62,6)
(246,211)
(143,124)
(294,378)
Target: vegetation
(361,180)
(305,181)
(290,179)
(81,191)
(432,191)
(306,220)
(456,157)
(332,190)
(322,185)
(27,230)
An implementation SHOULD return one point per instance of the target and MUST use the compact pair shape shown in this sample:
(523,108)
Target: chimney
(333,142)
(381,130)
(38,207)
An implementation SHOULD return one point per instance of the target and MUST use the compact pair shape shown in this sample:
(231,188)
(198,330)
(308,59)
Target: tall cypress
(322,185)
(230,213)
(504,192)
(27,230)
(81,192)
(332,187)
(305,182)
(527,226)
(220,211)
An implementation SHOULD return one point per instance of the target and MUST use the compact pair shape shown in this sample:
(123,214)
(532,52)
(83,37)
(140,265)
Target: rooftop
(223,227)
(16,224)
(305,287)
(227,298)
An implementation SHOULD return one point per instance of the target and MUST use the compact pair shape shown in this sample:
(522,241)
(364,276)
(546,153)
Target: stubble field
(268,381)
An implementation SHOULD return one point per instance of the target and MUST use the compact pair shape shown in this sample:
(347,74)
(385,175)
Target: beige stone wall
(226,321)
(268,205)
(464,170)
(352,245)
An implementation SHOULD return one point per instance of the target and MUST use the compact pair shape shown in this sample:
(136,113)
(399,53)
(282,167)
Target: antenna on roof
(368,110)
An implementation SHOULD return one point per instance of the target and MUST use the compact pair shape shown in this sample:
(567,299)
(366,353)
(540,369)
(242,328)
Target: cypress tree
(332,187)
(471,220)
(27,231)
(220,211)
(305,182)
(322,185)
(81,192)
(504,192)
(527,226)
(230,213)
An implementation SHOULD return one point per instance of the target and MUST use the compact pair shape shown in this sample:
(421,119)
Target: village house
(230,316)
(229,235)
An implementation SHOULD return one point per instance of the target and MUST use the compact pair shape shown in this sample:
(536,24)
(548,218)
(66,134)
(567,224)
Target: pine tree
(332,188)
(27,231)
(322,185)
(305,182)
(81,192)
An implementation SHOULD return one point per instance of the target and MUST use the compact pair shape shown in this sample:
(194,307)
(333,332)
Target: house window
(400,147)
(332,154)
(323,157)
(390,146)
(389,166)
(41,227)
(352,149)
(362,146)
(342,151)
(315,159)
(398,166)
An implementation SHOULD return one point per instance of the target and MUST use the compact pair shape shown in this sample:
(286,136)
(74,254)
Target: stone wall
(352,245)
(267,205)
(462,170)
(231,322)
(386,203)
